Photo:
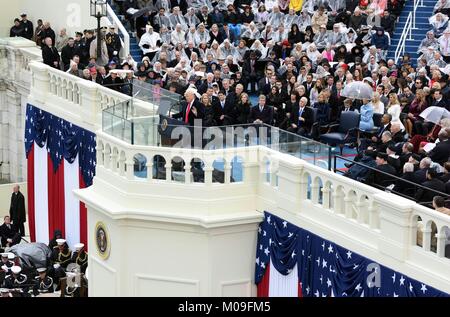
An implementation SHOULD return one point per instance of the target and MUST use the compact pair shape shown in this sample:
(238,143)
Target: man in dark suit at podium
(261,113)
(192,110)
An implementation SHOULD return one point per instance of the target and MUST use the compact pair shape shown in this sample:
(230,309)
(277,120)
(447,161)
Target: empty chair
(344,132)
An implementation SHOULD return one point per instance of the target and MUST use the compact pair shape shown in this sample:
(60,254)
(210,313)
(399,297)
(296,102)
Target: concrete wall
(5,199)
(74,15)
(9,10)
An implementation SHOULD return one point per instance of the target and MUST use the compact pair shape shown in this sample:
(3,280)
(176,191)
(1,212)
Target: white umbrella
(358,90)
(435,114)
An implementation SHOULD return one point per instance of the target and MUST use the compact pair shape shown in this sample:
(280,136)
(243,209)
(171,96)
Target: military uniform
(5,270)
(113,44)
(63,257)
(43,286)
(80,258)
(15,281)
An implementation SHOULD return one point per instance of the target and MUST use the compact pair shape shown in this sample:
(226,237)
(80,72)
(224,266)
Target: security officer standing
(27,26)
(17,210)
(113,43)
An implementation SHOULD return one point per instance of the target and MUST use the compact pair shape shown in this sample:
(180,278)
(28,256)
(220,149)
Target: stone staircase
(418,34)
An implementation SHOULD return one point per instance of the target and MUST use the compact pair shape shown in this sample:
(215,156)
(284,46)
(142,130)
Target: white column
(395,225)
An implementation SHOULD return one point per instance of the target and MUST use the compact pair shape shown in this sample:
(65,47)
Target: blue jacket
(358,171)
(380,41)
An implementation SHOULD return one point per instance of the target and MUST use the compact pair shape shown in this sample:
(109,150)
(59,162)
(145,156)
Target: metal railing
(390,179)
(407,30)
(417,3)
(406,35)
(123,33)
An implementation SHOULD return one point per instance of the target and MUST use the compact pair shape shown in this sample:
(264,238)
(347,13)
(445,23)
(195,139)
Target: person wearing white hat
(43,283)
(61,255)
(80,256)
(15,279)
(6,263)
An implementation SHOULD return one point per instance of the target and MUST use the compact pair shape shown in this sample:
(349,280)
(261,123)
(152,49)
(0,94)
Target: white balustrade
(381,222)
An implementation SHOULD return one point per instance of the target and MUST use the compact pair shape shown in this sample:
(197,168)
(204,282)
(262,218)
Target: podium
(165,129)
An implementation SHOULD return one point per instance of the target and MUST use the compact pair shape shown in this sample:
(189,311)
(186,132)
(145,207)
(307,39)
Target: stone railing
(379,225)
(72,98)
(15,56)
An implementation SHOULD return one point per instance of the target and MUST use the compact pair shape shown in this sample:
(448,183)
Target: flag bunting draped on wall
(61,157)
(291,261)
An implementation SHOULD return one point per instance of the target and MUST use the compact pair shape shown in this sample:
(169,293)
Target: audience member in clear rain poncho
(177,18)
(276,17)
(321,37)
(439,23)
(442,6)
(444,45)
(429,41)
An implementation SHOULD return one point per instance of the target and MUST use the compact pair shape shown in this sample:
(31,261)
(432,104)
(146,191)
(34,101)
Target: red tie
(188,110)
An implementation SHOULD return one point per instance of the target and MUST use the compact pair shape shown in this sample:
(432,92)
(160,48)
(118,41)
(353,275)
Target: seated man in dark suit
(386,141)
(421,173)
(382,178)
(9,234)
(397,134)
(385,126)
(261,113)
(302,118)
(393,158)
(407,152)
(441,151)
(405,187)
(433,183)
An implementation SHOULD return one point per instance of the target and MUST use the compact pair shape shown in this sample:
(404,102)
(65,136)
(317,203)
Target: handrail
(417,3)
(392,177)
(126,37)
(400,50)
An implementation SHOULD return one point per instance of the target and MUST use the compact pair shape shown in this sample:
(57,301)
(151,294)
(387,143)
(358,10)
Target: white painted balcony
(376,224)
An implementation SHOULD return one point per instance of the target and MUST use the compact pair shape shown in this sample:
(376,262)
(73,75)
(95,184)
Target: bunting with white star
(61,157)
(291,261)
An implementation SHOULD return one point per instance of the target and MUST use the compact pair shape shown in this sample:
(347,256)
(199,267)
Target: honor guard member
(62,254)
(80,257)
(43,283)
(113,43)
(6,265)
(72,288)
(15,279)
(7,262)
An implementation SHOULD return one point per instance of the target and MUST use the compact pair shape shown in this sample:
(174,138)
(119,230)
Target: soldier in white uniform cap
(43,283)
(80,256)
(61,255)
(15,279)
(7,264)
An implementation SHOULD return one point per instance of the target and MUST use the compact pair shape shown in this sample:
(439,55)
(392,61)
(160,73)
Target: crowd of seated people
(286,63)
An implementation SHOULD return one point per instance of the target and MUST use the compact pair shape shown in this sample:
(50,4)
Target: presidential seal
(102,240)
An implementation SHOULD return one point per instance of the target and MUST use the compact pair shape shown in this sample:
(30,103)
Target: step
(421,19)
(419,26)
(412,42)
